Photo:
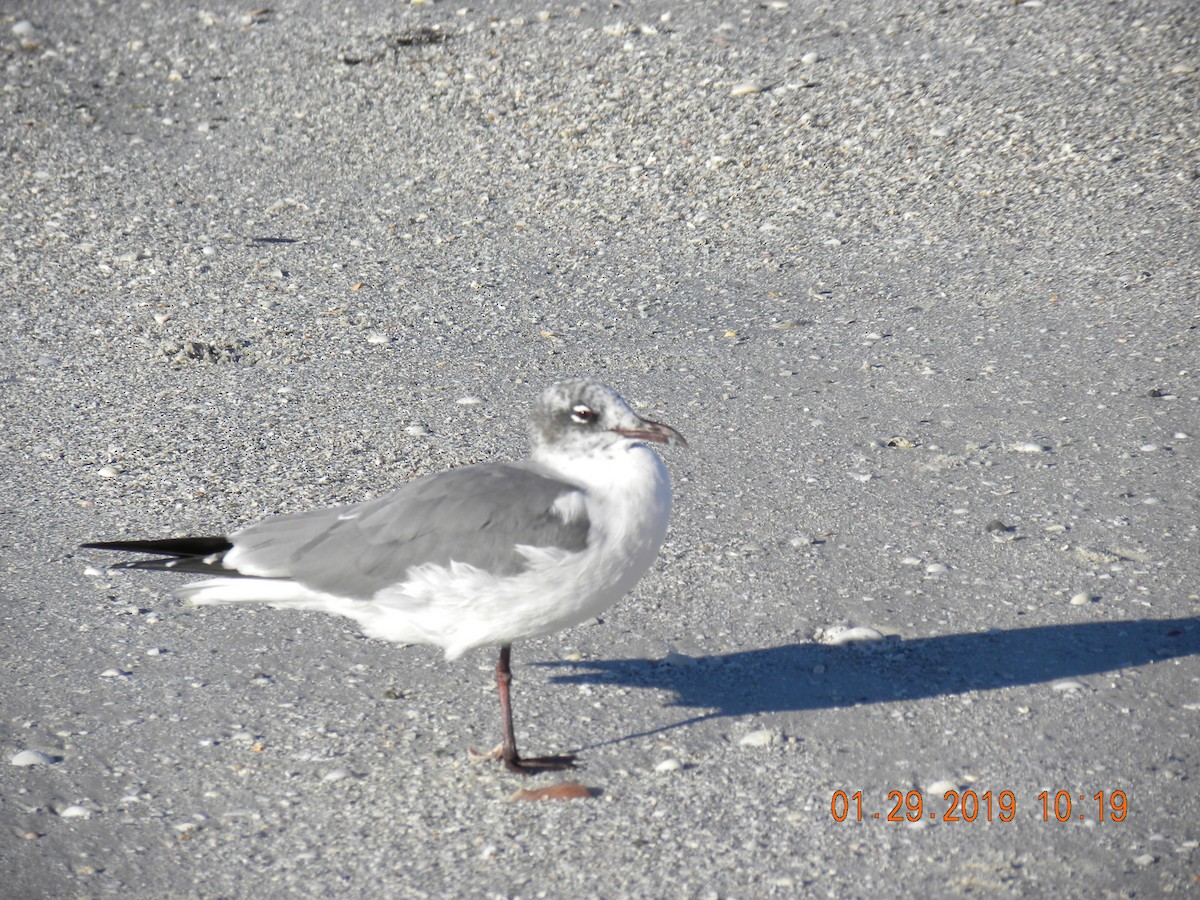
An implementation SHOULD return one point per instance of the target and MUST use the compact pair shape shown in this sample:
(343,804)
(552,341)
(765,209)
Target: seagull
(478,556)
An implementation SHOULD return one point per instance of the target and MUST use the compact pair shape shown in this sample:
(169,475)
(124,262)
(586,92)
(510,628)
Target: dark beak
(654,431)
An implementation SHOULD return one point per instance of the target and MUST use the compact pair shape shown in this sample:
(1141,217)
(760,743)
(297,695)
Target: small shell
(743,88)
(839,635)
(764,737)
(1068,686)
(32,758)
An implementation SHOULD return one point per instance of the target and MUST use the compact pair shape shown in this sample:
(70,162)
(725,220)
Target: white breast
(627,494)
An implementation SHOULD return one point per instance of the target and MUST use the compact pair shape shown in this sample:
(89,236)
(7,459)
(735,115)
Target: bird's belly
(460,607)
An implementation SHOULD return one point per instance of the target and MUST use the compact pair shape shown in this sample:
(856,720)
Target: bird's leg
(503,682)
(512,760)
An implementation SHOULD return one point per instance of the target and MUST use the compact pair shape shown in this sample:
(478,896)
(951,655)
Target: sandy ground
(918,282)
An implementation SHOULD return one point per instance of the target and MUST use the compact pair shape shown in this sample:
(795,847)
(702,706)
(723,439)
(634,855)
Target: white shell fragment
(32,758)
(669,765)
(1069,686)
(764,737)
(75,812)
(742,88)
(1026,447)
(839,635)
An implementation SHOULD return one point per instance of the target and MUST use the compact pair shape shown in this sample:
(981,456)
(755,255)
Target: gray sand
(920,287)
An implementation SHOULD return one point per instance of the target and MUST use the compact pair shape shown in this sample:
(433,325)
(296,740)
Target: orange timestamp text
(972,806)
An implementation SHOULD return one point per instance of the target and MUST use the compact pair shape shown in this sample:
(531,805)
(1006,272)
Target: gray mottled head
(590,415)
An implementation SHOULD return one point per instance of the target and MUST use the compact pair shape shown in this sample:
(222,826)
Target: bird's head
(590,416)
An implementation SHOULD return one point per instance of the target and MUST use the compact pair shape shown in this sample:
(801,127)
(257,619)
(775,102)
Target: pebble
(1146,859)
(764,737)
(1026,447)
(75,812)
(114,673)
(809,58)
(417,429)
(939,788)
(1080,599)
(376,337)
(669,765)
(32,758)
(109,472)
(1070,686)
(468,401)
(26,35)
(339,774)
(936,569)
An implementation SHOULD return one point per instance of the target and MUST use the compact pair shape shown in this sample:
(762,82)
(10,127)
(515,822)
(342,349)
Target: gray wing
(475,515)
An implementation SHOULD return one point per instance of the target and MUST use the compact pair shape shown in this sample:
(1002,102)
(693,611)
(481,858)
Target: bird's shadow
(797,677)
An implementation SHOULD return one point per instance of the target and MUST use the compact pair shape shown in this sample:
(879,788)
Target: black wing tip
(179,547)
(193,555)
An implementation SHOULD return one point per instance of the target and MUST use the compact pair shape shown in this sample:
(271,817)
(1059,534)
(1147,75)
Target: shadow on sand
(791,677)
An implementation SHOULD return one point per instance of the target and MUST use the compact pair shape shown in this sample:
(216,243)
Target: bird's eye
(582,414)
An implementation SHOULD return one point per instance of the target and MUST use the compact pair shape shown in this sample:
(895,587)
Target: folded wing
(477,515)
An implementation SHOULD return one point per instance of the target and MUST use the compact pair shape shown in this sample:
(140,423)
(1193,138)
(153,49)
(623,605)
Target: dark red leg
(512,759)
